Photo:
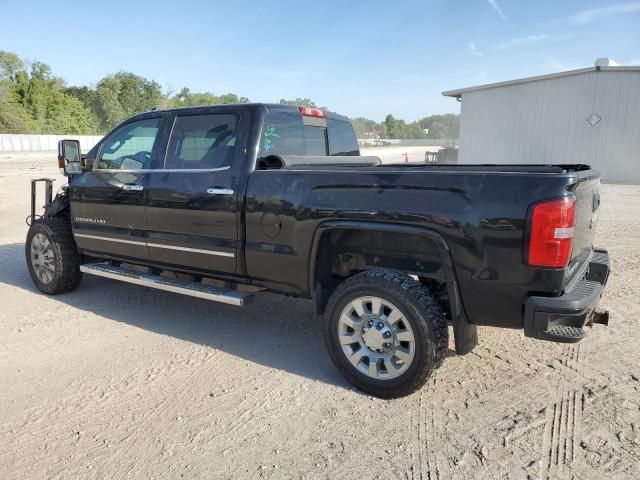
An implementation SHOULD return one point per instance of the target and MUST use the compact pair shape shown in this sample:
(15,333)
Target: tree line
(446,126)
(34,100)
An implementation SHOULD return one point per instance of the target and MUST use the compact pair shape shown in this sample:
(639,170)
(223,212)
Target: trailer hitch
(600,317)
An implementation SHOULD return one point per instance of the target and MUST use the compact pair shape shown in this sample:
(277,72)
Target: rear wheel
(385,333)
(52,256)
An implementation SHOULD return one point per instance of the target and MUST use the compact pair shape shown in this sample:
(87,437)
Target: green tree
(86,95)
(366,128)
(187,99)
(414,130)
(442,126)
(65,114)
(301,102)
(14,118)
(394,128)
(34,101)
(10,64)
(124,94)
(232,98)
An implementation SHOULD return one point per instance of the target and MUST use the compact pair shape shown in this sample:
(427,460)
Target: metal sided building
(591,116)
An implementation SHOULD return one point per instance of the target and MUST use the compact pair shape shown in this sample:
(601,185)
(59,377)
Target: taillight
(313,112)
(552,228)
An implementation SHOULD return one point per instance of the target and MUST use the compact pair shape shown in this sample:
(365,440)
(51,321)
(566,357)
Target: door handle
(220,191)
(133,188)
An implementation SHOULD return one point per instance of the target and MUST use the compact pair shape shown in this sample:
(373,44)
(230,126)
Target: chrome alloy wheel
(376,338)
(42,258)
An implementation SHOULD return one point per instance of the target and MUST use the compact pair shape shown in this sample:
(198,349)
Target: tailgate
(587,192)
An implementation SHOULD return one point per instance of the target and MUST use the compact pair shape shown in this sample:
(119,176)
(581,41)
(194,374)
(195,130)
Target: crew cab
(223,202)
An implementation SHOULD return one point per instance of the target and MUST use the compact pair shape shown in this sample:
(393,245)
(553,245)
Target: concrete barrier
(40,143)
(409,142)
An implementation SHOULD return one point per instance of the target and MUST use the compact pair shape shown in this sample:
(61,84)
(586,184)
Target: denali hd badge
(89,220)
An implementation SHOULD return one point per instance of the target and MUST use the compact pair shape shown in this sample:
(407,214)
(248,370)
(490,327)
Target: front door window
(129,147)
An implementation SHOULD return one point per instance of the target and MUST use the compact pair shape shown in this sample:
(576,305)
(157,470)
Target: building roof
(461,91)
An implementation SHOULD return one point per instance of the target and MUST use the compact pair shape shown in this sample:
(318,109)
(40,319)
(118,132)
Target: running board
(185,287)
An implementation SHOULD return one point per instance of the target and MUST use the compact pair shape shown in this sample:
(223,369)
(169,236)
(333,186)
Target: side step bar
(193,289)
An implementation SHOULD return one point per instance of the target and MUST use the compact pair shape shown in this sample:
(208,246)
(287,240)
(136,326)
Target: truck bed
(480,214)
(295,162)
(492,167)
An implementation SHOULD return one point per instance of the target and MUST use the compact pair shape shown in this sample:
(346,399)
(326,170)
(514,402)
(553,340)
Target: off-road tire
(420,309)
(67,274)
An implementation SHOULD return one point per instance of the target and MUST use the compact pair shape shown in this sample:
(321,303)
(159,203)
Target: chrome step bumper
(184,287)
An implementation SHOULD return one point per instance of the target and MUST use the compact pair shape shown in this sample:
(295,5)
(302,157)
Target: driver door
(108,202)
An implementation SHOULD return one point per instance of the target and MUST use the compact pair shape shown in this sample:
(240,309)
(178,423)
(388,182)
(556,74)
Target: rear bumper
(563,318)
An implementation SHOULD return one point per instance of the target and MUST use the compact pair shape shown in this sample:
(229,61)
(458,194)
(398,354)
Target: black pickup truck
(223,202)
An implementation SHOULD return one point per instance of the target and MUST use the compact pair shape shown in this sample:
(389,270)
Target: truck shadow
(277,332)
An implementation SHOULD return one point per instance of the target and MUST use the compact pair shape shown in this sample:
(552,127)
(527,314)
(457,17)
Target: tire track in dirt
(118,397)
(430,466)
(561,435)
(490,406)
(563,417)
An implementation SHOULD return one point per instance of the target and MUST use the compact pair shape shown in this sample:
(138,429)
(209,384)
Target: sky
(359,58)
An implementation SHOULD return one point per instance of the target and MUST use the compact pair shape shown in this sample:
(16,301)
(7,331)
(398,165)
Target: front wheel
(52,256)
(385,333)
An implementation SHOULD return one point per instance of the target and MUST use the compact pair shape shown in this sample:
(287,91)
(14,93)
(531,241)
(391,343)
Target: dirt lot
(116,380)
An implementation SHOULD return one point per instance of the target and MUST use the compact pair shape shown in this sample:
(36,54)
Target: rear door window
(202,142)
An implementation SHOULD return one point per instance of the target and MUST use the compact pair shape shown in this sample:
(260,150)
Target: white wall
(36,143)
(546,122)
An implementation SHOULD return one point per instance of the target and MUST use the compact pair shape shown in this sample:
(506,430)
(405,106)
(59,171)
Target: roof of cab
(268,107)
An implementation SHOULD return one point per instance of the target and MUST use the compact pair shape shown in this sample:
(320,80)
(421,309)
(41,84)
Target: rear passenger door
(192,197)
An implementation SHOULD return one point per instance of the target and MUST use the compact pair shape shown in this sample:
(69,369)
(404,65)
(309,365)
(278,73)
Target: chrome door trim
(109,239)
(157,245)
(194,250)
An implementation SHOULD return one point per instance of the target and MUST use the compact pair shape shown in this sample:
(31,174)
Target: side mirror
(69,157)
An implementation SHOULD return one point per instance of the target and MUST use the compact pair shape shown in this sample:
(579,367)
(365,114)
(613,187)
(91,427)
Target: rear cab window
(342,138)
(294,134)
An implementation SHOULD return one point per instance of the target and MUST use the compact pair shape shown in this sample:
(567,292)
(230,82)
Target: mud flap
(465,335)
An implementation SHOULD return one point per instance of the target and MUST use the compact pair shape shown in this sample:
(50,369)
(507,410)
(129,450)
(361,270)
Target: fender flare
(465,332)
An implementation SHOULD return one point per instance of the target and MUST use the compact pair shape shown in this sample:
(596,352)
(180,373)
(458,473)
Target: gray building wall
(545,121)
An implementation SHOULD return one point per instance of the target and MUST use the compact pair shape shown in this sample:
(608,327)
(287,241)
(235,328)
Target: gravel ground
(118,381)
